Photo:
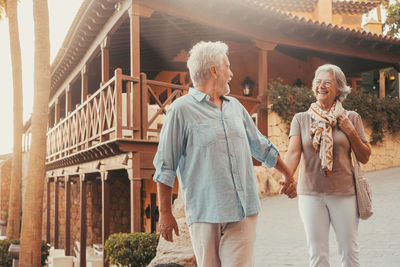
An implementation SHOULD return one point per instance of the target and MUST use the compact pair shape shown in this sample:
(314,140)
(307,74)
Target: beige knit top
(311,178)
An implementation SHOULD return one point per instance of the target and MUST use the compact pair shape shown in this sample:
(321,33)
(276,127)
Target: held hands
(167,223)
(288,187)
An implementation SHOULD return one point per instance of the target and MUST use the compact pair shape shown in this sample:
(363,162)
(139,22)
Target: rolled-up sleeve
(261,147)
(170,148)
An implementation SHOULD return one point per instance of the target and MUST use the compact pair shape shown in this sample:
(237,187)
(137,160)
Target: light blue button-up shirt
(211,151)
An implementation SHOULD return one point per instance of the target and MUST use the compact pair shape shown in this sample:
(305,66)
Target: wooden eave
(258,21)
(90,18)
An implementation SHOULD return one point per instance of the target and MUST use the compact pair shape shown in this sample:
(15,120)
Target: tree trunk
(14,207)
(31,232)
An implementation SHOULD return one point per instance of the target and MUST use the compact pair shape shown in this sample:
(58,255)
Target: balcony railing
(125,108)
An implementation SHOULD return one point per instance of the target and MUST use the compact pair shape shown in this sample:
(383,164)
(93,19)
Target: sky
(61,15)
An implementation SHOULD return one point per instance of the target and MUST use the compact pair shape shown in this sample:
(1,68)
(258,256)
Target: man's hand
(288,187)
(167,223)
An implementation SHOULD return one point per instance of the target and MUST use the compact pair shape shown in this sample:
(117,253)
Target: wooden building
(123,62)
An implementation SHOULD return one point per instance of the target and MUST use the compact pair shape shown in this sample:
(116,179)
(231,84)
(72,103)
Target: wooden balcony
(123,115)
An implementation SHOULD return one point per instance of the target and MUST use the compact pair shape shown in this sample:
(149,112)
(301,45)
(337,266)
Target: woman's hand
(288,187)
(345,124)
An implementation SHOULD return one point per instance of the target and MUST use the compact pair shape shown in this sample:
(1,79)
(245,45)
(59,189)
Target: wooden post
(56,212)
(48,205)
(134,15)
(68,104)
(84,84)
(105,211)
(135,195)
(67,215)
(398,84)
(144,105)
(56,112)
(262,116)
(382,89)
(82,250)
(105,60)
(118,102)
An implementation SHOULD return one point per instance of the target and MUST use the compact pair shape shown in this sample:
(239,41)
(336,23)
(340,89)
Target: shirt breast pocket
(235,128)
(204,134)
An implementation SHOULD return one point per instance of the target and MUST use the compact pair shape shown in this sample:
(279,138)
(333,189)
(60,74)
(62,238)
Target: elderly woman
(326,134)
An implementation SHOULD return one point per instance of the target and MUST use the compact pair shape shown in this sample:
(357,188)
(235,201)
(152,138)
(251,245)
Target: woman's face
(325,89)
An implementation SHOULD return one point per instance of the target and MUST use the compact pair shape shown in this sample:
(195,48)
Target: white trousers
(224,244)
(317,213)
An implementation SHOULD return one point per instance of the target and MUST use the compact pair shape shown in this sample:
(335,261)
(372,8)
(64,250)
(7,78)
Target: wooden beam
(67,216)
(56,212)
(83,227)
(105,211)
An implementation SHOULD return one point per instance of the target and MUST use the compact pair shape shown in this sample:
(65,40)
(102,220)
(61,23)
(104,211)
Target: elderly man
(208,139)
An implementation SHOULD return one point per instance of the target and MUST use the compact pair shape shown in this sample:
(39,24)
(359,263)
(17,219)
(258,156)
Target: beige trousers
(224,244)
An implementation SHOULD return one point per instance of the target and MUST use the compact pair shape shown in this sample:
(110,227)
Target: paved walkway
(281,239)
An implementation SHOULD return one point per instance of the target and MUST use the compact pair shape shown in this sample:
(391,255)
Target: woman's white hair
(202,56)
(340,79)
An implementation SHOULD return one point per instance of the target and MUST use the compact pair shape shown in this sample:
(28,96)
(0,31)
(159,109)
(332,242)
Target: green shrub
(6,261)
(381,114)
(131,249)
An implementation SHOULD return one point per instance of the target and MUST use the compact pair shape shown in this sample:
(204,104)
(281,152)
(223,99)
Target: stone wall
(5,182)
(383,154)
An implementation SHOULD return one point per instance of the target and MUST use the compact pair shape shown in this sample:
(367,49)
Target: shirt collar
(200,96)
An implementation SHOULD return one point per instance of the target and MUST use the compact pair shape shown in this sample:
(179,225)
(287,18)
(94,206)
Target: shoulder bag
(363,190)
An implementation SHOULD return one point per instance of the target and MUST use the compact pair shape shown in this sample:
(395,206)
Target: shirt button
(231,154)
(238,188)
(234,172)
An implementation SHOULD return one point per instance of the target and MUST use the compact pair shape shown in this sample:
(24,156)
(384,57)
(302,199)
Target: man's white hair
(340,79)
(202,56)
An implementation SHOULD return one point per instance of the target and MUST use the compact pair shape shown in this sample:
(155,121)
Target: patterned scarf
(321,132)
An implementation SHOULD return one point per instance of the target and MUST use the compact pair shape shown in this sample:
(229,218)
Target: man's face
(224,75)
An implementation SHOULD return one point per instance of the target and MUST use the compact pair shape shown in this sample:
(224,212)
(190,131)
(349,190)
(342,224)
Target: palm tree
(14,207)
(31,231)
